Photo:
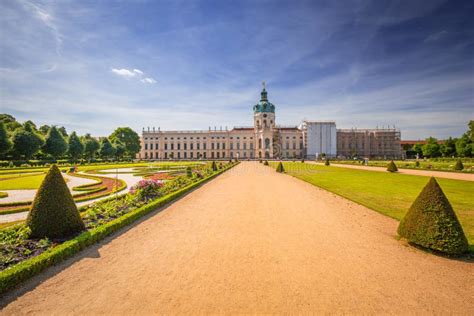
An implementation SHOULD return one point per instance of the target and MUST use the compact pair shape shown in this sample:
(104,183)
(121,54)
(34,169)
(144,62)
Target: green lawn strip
(404,164)
(388,193)
(22,183)
(3,195)
(13,276)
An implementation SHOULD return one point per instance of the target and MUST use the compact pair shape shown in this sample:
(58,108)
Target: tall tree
(431,148)
(63,131)
(91,146)
(55,144)
(119,149)
(464,146)
(5,143)
(44,129)
(75,146)
(10,122)
(107,150)
(448,149)
(129,138)
(26,142)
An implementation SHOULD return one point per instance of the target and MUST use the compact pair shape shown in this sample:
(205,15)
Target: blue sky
(96,65)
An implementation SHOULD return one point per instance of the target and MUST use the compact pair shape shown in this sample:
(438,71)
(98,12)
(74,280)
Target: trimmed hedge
(392,167)
(53,213)
(431,222)
(19,273)
(458,166)
(3,195)
(280,168)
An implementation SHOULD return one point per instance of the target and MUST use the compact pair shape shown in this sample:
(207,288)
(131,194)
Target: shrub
(392,167)
(265,163)
(280,168)
(3,195)
(302,160)
(260,160)
(53,213)
(417,164)
(327,162)
(189,172)
(431,222)
(458,166)
(214,166)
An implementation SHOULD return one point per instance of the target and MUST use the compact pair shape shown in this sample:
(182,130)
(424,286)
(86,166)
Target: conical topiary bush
(458,166)
(214,166)
(280,168)
(265,162)
(327,162)
(54,213)
(392,167)
(431,222)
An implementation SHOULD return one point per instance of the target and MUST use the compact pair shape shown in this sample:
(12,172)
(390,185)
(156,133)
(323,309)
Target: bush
(260,160)
(3,195)
(53,213)
(431,222)
(265,163)
(326,163)
(392,167)
(458,166)
(189,172)
(280,168)
(302,160)
(417,164)
(214,166)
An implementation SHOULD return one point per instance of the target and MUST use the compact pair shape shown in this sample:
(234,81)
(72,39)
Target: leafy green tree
(44,129)
(26,142)
(418,149)
(119,149)
(470,131)
(10,122)
(55,144)
(5,143)
(91,146)
(63,131)
(32,124)
(75,146)
(463,146)
(448,149)
(431,148)
(129,138)
(107,150)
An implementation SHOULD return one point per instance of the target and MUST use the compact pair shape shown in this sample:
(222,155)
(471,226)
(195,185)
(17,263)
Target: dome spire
(264,93)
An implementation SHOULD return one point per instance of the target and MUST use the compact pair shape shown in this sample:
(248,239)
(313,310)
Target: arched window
(259,143)
(267,143)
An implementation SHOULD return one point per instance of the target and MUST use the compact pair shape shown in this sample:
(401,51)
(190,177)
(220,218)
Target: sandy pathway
(253,241)
(426,173)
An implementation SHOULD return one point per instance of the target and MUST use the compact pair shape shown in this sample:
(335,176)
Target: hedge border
(21,272)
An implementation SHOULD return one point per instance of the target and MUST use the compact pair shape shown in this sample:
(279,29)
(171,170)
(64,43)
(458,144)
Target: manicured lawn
(21,183)
(388,193)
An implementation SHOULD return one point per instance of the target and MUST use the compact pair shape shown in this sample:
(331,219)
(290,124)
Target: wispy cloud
(135,73)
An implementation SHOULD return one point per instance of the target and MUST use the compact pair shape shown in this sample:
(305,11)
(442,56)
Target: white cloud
(148,80)
(138,71)
(123,72)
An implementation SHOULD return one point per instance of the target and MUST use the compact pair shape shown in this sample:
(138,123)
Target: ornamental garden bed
(22,257)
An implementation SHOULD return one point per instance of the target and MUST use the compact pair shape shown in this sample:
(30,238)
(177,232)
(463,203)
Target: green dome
(264,105)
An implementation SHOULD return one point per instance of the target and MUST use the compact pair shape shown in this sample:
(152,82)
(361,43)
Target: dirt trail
(253,241)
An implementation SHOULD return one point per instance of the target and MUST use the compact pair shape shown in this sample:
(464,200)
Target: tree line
(27,141)
(451,147)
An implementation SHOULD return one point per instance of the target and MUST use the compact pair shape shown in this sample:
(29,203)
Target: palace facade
(267,140)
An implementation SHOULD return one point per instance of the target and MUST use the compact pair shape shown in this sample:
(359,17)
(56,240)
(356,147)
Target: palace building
(267,140)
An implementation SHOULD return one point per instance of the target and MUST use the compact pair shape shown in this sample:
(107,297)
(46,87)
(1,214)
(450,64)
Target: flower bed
(21,257)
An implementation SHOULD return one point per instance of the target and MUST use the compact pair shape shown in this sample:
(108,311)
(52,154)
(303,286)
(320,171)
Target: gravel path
(253,241)
(427,173)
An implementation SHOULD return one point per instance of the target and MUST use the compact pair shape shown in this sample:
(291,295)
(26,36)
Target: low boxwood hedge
(19,273)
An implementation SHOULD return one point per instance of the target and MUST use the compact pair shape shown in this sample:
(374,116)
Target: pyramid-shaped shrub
(458,166)
(392,167)
(54,213)
(327,162)
(214,166)
(280,168)
(265,162)
(431,222)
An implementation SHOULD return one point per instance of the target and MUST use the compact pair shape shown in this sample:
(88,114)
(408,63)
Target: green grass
(411,164)
(388,193)
(22,183)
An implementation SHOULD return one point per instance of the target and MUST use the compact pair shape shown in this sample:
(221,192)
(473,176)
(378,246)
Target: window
(191,145)
(172,146)
(197,146)
(204,147)
(166,146)
(223,145)
(185,155)
(179,146)
(245,146)
(146,146)
(212,147)
(259,143)
(267,143)
(287,145)
(231,146)
(185,146)
(238,146)
(251,145)
(294,146)
(218,145)
(179,155)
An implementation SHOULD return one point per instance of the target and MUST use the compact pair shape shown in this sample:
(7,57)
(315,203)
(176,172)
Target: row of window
(151,146)
(191,155)
(198,138)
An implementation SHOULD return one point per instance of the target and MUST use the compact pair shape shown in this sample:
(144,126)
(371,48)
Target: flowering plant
(147,189)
